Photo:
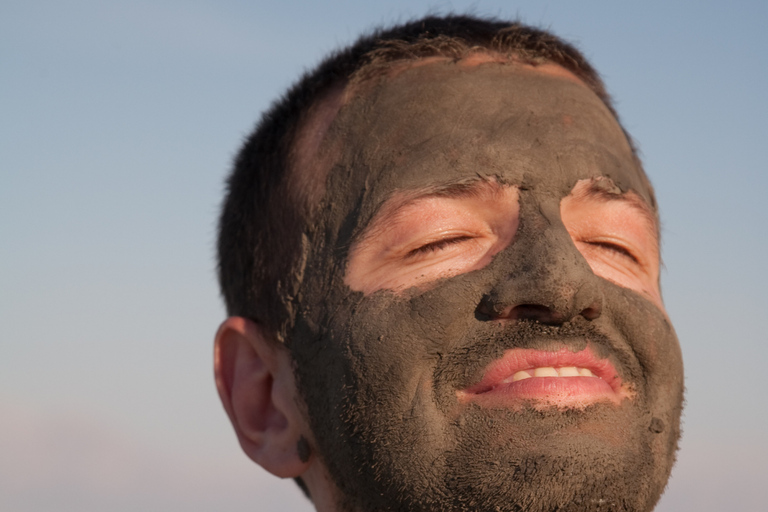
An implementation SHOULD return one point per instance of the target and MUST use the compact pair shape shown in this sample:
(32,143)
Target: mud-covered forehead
(443,122)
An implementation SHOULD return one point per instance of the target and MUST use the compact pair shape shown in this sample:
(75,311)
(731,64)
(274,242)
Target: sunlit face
(422,236)
(495,337)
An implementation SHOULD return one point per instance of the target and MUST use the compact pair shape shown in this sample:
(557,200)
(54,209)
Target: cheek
(620,270)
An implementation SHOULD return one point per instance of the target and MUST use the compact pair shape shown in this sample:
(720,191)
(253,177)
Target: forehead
(444,122)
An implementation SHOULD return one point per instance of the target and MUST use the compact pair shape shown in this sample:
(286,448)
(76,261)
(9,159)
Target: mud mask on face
(380,373)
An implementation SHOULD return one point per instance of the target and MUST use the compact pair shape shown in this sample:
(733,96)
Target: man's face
(481,326)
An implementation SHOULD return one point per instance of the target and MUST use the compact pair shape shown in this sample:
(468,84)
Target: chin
(598,458)
(601,458)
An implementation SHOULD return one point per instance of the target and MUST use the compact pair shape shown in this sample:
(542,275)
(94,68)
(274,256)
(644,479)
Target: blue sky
(118,124)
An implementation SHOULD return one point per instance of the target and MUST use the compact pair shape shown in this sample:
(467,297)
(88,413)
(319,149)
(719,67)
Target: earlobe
(255,381)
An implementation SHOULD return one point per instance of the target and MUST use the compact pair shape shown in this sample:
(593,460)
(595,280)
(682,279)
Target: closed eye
(436,235)
(437,245)
(614,248)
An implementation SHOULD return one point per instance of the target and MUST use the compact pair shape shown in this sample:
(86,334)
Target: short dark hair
(262,224)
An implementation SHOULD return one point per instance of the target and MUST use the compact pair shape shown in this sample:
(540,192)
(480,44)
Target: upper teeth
(549,371)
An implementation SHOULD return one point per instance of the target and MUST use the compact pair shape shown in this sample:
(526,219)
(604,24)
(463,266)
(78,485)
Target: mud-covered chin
(381,394)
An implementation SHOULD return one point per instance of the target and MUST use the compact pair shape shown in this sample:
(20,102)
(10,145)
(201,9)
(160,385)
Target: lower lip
(566,392)
(543,392)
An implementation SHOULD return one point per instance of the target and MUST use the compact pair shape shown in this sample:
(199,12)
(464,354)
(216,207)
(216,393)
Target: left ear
(254,377)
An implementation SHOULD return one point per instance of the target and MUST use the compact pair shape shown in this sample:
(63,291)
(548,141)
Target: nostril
(593,312)
(590,314)
(490,309)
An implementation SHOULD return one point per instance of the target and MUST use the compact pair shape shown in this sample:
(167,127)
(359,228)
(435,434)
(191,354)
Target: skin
(483,211)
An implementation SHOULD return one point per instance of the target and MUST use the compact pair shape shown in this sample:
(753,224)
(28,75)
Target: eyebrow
(634,200)
(465,188)
(473,187)
(389,209)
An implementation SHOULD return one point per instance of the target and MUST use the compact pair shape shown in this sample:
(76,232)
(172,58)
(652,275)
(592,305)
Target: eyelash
(436,246)
(616,249)
(441,244)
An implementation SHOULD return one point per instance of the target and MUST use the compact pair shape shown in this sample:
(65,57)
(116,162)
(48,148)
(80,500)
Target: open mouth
(563,379)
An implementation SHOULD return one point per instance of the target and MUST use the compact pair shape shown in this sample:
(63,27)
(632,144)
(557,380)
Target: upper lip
(519,359)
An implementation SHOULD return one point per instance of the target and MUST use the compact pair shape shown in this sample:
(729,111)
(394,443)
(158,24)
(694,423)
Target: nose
(542,277)
(585,302)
